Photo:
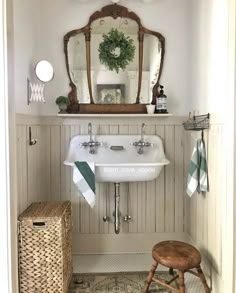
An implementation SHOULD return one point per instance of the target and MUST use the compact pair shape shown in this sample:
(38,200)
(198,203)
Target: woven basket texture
(45,248)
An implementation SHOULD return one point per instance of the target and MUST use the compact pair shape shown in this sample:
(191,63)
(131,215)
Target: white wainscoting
(205,213)
(160,209)
(157,208)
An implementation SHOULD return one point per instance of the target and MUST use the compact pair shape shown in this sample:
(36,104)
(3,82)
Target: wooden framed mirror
(97,89)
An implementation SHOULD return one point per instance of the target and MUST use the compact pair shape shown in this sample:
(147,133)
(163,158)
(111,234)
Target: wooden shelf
(115,115)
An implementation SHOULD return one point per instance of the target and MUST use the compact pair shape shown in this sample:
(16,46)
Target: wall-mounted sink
(117,157)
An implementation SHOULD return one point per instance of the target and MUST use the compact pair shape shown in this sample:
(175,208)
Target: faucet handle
(83,144)
(95,143)
(91,143)
(148,144)
(135,143)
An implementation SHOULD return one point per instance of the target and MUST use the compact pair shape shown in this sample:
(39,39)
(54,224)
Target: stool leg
(181,282)
(203,279)
(150,276)
(171,271)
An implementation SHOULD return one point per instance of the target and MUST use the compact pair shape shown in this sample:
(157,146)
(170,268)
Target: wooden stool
(176,255)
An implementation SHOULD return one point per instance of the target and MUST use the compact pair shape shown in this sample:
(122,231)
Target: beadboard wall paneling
(22,174)
(205,212)
(45,159)
(160,209)
(213,211)
(169,179)
(156,207)
(160,192)
(32,166)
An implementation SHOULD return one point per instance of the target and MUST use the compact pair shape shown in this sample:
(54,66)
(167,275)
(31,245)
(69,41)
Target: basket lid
(45,209)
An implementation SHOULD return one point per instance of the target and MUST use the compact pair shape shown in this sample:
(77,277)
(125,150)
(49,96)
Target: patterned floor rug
(114,283)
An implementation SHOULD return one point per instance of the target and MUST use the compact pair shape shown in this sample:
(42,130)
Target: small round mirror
(44,71)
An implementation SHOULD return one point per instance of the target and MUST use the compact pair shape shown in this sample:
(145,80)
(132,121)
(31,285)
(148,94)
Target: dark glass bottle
(161,102)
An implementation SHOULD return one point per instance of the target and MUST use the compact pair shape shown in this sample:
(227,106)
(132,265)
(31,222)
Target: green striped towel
(198,172)
(84,179)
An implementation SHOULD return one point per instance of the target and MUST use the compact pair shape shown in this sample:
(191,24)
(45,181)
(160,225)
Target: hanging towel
(84,179)
(198,173)
(192,182)
(203,184)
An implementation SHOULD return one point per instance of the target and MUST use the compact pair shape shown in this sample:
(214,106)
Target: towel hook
(32,141)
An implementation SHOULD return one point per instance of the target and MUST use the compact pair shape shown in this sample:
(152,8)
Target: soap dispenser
(161,102)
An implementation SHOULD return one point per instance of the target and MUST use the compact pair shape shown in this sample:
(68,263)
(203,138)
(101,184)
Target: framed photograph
(111,93)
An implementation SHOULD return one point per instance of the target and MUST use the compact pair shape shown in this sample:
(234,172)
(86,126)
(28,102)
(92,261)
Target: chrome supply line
(117,208)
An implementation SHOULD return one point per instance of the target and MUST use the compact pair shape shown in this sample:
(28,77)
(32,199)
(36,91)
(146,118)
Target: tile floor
(121,263)
(112,263)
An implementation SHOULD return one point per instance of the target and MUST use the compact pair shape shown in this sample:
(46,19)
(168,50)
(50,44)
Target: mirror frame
(115,11)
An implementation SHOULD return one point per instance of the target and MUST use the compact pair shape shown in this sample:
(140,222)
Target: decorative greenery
(116,50)
(62,100)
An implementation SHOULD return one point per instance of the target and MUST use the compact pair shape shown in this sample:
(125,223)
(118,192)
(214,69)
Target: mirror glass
(44,71)
(78,67)
(152,53)
(109,86)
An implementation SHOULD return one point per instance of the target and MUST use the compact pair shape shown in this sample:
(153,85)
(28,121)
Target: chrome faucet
(91,143)
(141,143)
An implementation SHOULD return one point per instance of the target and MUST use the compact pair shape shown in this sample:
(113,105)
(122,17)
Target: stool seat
(176,254)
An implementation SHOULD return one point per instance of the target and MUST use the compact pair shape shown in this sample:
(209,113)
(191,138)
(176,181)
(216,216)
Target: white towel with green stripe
(198,171)
(84,179)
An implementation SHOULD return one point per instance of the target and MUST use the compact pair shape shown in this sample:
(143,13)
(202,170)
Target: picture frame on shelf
(110,93)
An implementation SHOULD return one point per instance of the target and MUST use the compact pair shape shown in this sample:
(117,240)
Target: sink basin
(122,163)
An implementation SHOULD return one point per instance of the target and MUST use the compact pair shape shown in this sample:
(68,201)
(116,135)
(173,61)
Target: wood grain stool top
(176,254)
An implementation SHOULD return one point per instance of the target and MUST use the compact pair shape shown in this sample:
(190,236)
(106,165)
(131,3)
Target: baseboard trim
(122,243)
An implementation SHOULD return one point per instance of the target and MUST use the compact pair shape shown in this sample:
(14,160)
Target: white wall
(212,90)
(170,18)
(209,51)
(7,260)
(26,25)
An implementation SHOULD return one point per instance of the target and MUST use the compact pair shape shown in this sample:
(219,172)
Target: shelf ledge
(114,115)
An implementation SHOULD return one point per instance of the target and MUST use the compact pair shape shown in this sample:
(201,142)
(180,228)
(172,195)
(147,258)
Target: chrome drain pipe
(117,208)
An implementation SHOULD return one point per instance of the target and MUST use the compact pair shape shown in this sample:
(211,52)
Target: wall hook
(32,141)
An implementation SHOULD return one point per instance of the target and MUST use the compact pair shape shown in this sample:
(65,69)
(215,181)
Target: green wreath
(116,50)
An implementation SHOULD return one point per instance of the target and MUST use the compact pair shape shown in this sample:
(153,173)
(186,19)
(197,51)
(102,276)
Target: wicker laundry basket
(45,254)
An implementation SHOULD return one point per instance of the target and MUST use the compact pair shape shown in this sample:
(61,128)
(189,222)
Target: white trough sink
(119,165)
